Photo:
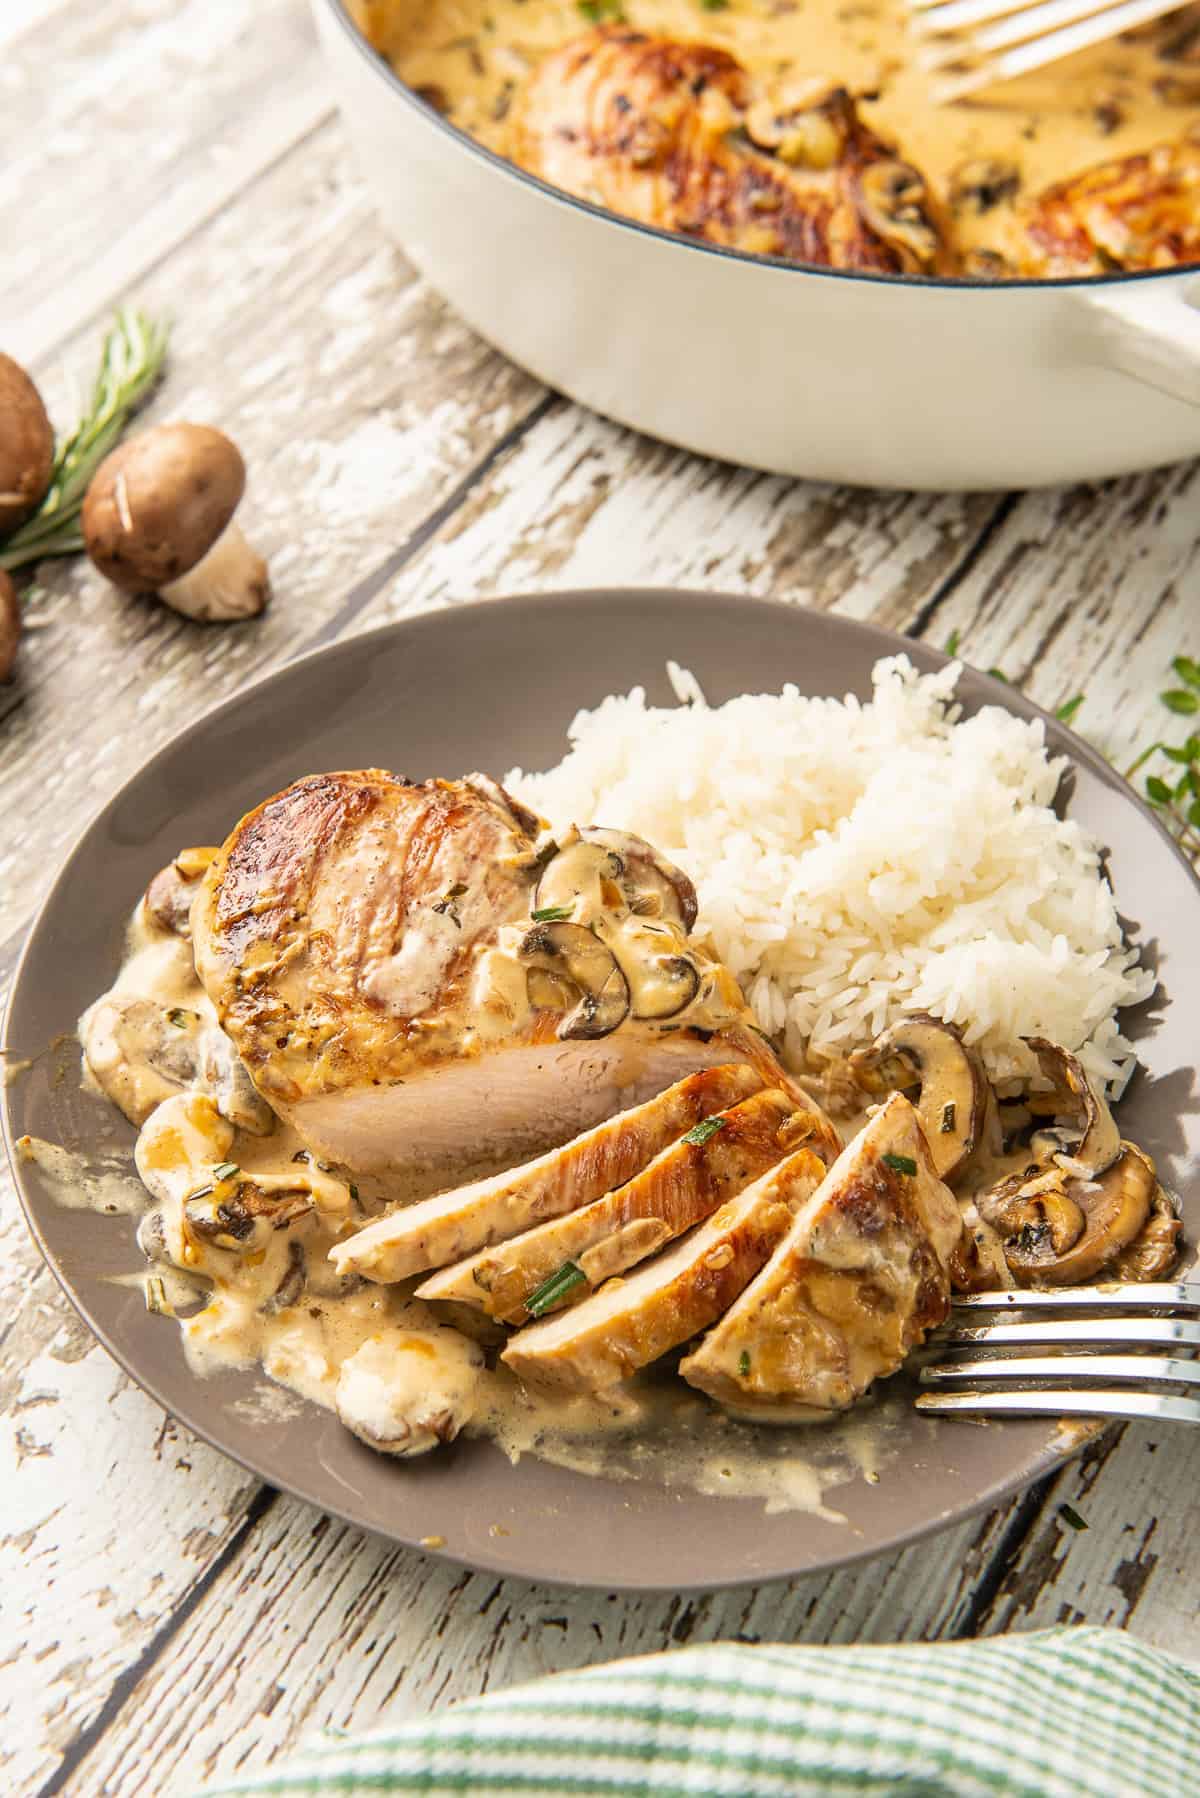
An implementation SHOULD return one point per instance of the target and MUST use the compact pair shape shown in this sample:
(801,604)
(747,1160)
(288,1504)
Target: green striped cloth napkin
(1062,1713)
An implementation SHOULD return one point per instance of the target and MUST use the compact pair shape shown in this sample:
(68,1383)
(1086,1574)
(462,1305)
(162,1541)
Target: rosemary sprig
(131,361)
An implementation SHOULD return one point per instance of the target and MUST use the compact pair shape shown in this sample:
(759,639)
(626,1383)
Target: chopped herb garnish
(700,1133)
(544,1297)
(903,1164)
(948,1115)
(1071,1516)
(744,1363)
(952,643)
(156,1297)
(596,11)
(713,5)
(551,914)
(354,1192)
(226,1170)
(1066,712)
(179,1017)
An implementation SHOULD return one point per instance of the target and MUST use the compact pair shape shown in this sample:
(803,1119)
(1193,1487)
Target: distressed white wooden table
(162,1617)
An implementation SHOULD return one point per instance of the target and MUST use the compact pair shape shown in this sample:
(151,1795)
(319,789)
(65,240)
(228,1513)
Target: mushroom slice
(662,982)
(1094,1141)
(580,873)
(653,886)
(169,896)
(1059,1229)
(953,1098)
(525,820)
(576,954)
(895,202)
(404,1391)
(1154,1251)
(139,1054)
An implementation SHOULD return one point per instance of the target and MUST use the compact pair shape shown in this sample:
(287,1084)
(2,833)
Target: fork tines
(988,1368)
(978,42)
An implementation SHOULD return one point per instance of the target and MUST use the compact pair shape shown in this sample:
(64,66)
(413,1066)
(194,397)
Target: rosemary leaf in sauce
(551,914)
(744,1363)
(179,1017)
(1071,1516)
(597,11)
(901,1164)
(226,1170)
(544,1297)
(1066,712)
(700,1133)
(948,1114)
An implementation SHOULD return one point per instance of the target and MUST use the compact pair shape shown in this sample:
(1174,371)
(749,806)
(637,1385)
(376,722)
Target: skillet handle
(1150,330)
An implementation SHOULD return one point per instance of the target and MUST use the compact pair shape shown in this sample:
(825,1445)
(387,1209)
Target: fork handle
(1148,329)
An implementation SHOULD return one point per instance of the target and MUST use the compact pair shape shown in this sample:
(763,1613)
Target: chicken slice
(631,1322)
(383,956)
(1136,212)
(456,1223)
(854,1286)
(680,1187)
(679,135)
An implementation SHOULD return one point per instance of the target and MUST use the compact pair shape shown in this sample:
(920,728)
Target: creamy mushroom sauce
(1116,99)
(372,1353)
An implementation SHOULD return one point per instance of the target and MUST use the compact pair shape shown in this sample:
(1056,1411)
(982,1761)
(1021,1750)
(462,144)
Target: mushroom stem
(231,581)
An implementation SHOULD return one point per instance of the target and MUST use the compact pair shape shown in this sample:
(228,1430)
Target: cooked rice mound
(857,861)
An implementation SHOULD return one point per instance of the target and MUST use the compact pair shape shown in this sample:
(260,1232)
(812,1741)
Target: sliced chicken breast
(456,1223)
(680,1187)
(418,978)
(631,1322)
(859,1279)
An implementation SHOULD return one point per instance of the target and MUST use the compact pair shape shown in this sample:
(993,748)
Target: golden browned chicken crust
(675,135)
(300,927)
(1140,212)
(418,976)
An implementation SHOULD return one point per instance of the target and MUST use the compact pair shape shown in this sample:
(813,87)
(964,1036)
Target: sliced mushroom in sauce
(922,1050)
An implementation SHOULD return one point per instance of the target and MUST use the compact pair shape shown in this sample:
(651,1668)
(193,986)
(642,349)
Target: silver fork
(978,42)
(1080,1376)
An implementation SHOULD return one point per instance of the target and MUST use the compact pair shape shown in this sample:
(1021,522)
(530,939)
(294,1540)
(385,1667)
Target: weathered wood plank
(318,1625)
(112,1514)
(1135,1564)
(153,118)
(360,405)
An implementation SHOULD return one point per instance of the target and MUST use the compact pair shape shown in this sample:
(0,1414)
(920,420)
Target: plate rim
(1051,1459)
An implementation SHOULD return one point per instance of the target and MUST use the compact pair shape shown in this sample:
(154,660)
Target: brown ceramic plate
(489,686)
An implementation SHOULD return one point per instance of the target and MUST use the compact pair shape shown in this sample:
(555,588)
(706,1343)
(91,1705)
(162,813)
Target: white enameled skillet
(886,381)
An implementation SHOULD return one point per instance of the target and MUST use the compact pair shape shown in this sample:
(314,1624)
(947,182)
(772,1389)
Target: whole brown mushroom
(159,518)
(10,624)
(26,447)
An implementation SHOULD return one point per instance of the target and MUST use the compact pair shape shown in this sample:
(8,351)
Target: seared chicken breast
(859,1279)
(1139,212)
(678,135)
(417,977)
(456,1223)
(631,1322)
(679,1188)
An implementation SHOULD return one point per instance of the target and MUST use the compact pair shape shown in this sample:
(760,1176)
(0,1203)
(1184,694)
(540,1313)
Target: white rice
(855,862)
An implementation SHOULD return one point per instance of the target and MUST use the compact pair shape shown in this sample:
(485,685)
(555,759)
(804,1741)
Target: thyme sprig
(131,361)
(1177,799)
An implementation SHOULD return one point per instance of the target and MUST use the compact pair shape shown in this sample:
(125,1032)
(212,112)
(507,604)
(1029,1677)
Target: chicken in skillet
(1140,212)
(678,135)
(416,973)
